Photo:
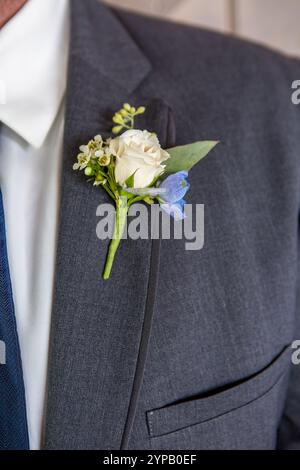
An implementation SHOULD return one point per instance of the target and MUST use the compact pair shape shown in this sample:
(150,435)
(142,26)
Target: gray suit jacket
(180,349)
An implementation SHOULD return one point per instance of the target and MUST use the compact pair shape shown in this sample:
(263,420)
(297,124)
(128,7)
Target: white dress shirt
(33,71)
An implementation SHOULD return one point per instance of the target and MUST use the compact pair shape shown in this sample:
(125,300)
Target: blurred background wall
(272,22)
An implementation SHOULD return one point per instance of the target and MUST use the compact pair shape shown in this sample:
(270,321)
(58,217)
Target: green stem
(121,217)
(136,199)
(109,191)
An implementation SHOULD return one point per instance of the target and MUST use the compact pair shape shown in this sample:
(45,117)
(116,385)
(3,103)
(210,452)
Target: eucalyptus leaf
(185,157)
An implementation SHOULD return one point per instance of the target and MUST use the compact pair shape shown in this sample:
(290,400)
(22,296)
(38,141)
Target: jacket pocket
(175,417)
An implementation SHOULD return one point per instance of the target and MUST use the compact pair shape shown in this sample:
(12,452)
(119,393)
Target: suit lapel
(100,330)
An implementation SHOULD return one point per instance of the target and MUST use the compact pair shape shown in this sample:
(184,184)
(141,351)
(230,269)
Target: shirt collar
(34,56)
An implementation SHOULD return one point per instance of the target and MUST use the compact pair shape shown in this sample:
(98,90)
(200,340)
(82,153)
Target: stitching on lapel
(149,312)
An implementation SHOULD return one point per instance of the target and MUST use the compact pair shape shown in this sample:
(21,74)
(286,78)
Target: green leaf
(186,156)
(125,193)
(130,180)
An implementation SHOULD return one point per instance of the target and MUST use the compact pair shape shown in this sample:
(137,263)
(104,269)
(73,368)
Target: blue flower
(176,210)
(175,188)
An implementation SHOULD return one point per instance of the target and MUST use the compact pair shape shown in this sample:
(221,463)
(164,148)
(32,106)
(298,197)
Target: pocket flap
(174,417)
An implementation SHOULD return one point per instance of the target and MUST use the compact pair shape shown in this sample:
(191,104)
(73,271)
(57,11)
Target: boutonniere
(133,167)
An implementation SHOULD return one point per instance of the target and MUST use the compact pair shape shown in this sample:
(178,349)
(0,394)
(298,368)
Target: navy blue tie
(13,422)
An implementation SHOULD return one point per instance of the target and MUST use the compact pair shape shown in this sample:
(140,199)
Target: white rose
(138,152)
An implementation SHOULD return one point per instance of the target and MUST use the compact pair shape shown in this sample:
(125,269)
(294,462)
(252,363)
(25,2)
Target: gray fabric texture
(217,372)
